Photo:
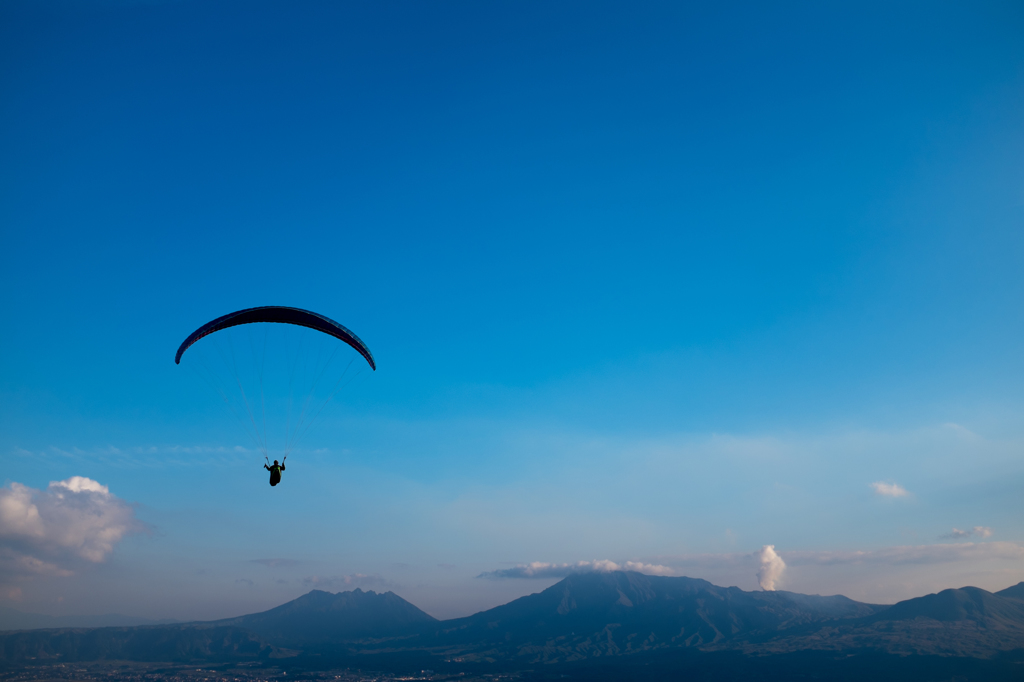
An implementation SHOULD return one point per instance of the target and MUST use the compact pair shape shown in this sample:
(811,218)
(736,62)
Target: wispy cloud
(52,532)
(540,569)
(977,531)
(957,533)
(914,554)
(347,581)
(146,456)
(889,489)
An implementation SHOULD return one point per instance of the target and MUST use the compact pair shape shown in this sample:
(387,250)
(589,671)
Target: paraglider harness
(275,469)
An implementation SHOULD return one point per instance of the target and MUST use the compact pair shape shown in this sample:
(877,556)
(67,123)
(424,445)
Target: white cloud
(979,531)
(647,569)
(770,569)
(889,489)
(51,532)
(540,569)
(81,484)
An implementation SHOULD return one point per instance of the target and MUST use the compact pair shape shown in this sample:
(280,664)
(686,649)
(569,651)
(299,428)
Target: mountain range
(620,618)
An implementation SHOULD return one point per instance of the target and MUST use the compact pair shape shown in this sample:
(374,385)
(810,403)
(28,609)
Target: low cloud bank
(53,532)
(914,554)
(540,569)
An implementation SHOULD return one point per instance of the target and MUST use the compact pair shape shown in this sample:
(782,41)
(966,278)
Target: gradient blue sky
(662,283)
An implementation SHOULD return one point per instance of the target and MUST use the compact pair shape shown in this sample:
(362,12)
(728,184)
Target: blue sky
(661,284)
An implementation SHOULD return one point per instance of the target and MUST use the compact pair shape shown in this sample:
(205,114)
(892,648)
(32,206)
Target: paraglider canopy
(283,315)
(277,379)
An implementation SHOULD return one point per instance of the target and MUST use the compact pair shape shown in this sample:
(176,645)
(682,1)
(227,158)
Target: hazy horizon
(118,619)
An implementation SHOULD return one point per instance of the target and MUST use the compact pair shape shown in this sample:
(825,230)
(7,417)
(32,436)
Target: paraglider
(275,471)
(270,352)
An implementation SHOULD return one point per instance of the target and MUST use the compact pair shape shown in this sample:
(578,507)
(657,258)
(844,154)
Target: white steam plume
(771,567)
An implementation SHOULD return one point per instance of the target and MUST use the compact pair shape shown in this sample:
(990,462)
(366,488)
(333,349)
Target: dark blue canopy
(283,315)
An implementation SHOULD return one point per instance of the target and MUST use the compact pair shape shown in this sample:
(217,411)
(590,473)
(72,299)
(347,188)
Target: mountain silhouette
(320,616)
(1015,592)
(987,609)
(624,612)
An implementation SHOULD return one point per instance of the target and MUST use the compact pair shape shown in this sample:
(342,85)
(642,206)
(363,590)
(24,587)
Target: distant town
(161,672)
